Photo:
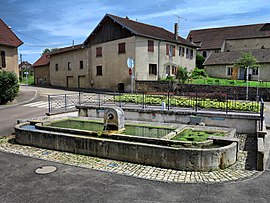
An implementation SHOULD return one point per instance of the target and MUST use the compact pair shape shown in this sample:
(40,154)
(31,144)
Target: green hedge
(9,86)
(188,102)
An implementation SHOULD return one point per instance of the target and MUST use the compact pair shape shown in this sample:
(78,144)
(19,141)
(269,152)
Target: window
(204,54)
(168,70)
(187,53)
(121,48)
(56,67)
(255,71)
(99,52)
(81,64)
(229,71)
(183,51)
(180,51)
(150,45)
(191,53)
(152,69)
(69,65)
(3,58)
(99,70)
(170,50)
(174,70)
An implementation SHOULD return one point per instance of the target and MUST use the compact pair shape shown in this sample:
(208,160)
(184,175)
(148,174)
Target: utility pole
(21,72)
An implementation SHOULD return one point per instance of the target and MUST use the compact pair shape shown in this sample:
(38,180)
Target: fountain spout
(114,119)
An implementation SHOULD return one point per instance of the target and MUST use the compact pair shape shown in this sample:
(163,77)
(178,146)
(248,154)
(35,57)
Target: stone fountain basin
(143,150)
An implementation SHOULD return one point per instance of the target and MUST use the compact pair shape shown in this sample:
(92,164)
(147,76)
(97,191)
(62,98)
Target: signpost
(130,65)
(26,73)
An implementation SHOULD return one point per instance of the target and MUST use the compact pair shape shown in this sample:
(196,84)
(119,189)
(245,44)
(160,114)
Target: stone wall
(240,92)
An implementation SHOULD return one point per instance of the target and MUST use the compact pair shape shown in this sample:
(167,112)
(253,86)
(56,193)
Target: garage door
(70,81)
(81,82)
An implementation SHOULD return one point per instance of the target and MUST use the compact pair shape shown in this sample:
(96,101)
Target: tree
(199,61)
(47,50)
(247,61)
(182,74)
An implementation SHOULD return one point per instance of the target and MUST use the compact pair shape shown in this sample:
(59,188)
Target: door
(81,82)
(70,82)
(241,75)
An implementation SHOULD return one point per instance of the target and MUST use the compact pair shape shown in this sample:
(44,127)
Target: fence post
(99,99)
(227,103)
(143,100)
(65,102)
(196,104)
(168,100)
(49,103)
(79,98)
(261,114)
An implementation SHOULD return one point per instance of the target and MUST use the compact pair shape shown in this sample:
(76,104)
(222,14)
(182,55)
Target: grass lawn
(195,135)
(227,82)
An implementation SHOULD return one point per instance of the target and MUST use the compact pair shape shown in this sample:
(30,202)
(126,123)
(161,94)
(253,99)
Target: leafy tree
(247,61)
(198,73)
(199,61)
(9,86)
(47,50)
(182,74)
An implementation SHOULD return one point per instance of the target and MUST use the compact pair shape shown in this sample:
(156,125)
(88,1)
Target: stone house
(9,44)
(101,63)
(223,46)
(42,70)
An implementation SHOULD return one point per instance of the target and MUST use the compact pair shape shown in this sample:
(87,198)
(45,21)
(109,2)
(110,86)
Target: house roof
(226,58)
(213,38)
(24,63)
(7,37)
(42,61)
(144,30)
(66,49)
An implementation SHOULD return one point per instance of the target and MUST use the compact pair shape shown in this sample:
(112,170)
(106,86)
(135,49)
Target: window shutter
(167,49)
(173,50)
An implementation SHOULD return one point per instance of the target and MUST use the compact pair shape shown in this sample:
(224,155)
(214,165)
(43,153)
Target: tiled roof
(42,61)
(66,49)
(146,30)
(222,58)
(7,37)
(213,38)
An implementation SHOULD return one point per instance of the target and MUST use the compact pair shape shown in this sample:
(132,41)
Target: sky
(42,24)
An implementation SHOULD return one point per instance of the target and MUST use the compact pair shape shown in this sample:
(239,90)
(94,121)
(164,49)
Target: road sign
(130,71)
(130,63)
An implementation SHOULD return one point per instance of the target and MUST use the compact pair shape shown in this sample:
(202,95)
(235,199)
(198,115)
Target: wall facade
(69,70)
(42,75)
(246,44)
(112,63)
(11,59)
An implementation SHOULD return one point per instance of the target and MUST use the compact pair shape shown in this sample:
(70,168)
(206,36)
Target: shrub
(198,73)
(182,74)
(9,86)
(199,61)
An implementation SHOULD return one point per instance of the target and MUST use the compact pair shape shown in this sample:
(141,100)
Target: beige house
(9,44)
(223,46)
(42,70)
(103,57)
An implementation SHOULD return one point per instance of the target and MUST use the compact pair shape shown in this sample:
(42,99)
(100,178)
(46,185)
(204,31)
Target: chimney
(176,31)
(190,38)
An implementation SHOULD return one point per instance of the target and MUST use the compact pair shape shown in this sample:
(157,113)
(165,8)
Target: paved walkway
(241,170)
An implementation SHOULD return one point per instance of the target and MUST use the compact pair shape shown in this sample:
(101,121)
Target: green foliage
(182,74)
(199,61)
(247,60)
(47,50)
(9,86)
(198,73)
(195,135)
(180,101)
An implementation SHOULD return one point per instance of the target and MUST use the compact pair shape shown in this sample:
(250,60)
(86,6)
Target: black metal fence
(167,101)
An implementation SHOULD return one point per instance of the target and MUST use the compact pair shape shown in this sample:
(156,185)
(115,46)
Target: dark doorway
(121,87)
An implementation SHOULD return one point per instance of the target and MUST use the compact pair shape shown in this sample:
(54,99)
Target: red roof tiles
(42,61)
(7,37)
(213,38)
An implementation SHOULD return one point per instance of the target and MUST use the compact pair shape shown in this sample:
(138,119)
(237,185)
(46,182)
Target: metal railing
(166,101)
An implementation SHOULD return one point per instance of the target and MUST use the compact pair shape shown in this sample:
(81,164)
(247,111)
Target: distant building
(42,70)
(223,46)
(9,44)
(101,62)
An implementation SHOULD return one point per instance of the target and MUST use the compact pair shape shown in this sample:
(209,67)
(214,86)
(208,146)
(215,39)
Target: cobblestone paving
(233,173)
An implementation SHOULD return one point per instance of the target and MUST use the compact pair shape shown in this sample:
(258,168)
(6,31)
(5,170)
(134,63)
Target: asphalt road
(19,182)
